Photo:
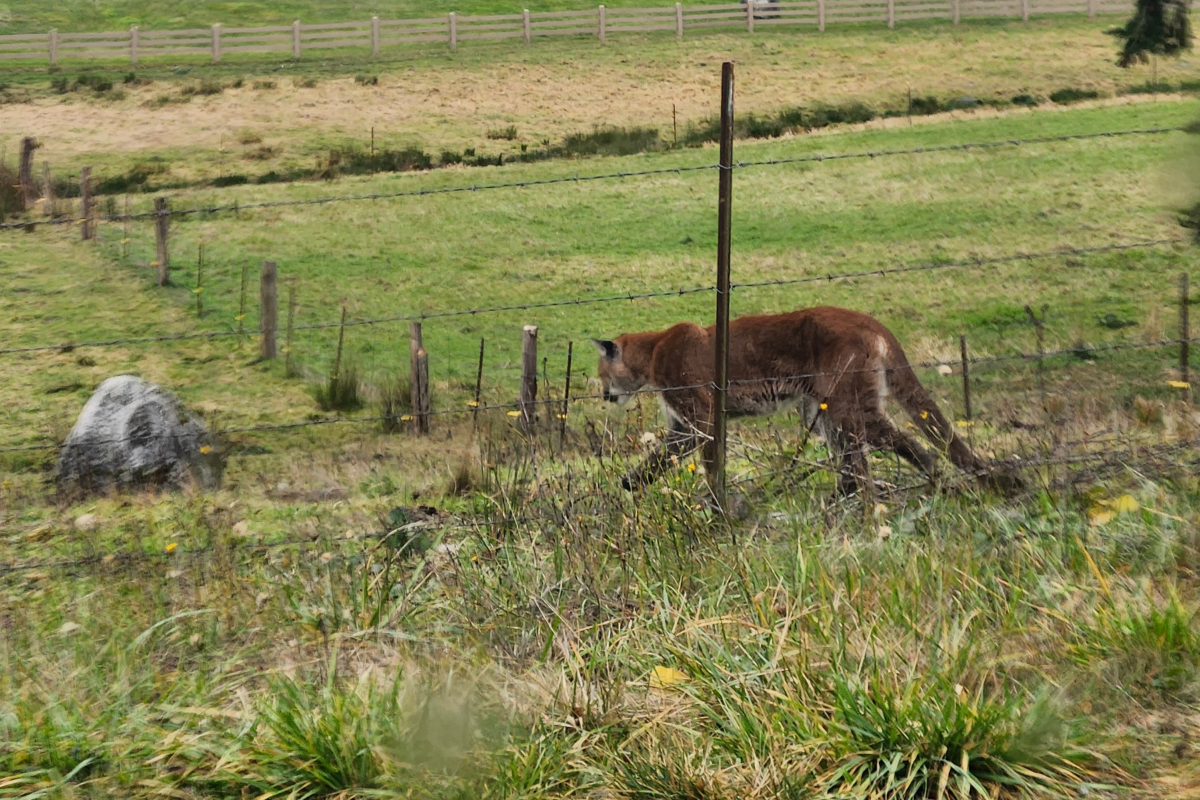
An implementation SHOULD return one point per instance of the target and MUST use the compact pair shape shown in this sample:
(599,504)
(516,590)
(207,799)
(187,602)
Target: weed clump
(1069,95)
(206,86)
(12,201)
(366,80)
(263,85)
(503,134)
(1026,100)
(356,161)
(395,402)
(304,83)
(341,392)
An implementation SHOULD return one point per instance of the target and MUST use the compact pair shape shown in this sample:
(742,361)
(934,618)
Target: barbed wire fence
(552,412)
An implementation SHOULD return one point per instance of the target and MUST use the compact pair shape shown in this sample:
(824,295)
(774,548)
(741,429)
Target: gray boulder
(134,434)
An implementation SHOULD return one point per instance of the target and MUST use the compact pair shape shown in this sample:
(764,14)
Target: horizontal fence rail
(371,36)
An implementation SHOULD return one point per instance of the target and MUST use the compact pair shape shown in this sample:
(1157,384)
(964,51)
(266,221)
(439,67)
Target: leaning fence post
(375,36)
(162,218)
(269,299)
(749,16)
(216,42)
(527,28)
(53,47)
(529,381)
(29,192)
(478,387)
(296,40)
(419,381)
(679,20)
(966,375)
(821,15)
(602,24)
(716,447)
(562,419)
(453,31)
(891,12)
(1184,337)
(87,206)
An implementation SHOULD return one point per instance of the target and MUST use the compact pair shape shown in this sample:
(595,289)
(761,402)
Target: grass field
(436,101)
(556,637)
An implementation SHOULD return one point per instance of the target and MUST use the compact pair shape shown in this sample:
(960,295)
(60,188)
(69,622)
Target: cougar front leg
(680,441)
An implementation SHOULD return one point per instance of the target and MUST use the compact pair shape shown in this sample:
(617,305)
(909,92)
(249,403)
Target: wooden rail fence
(375,34)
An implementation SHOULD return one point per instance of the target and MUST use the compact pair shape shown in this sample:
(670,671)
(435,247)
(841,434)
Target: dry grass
(559,88)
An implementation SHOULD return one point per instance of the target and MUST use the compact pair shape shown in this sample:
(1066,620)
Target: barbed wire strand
(967,263)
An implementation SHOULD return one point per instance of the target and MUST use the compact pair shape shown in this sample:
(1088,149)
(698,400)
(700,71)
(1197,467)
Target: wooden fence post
(134,41)
(891,11)
(478,387)
(679,20)
(296,40)
(529,381)
(1024,10)
(562,418)
(375,37)
(48,192)
(821,15)
(603,25)
(269,299)
(749,16)
(1184,336)
(200,280)
(1041,350)
(419,381)
(162,219)
(954,10)
(716,447)
(87,206)
(216,42)
(966,375)
(1091,8)
(528,28)
(453,31)
(53,47)
(29,192)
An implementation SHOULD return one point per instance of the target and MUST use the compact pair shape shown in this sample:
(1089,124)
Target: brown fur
(840,364)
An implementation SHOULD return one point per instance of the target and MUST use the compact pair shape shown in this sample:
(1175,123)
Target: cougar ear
(607,348)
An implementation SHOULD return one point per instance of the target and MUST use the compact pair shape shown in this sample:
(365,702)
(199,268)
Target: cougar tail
(925,414)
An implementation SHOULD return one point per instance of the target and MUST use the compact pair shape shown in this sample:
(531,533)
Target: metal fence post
(716,447)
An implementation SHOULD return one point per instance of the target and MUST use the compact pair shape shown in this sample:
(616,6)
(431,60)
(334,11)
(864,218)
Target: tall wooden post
(966,375)
(289,369)
(134,43)
(269,299)
(955,10)
(296,40)
(601,30)
(749,16)
(29,192)
(1184,334)
(526,26)
(216,42)
(453,31)
(375,37)
(891,14)
(821,15)
(419,380)
(87,204)
(529,381)
(53,47)
(716,447)
(679,20)
(162,219)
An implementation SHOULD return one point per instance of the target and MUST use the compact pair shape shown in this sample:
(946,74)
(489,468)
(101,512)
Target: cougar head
(616,378)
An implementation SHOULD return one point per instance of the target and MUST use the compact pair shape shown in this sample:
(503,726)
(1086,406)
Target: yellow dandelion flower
(824,406)
(562,416)
(172,547)
(472,404)
(205,449)
(924,415)
(406,418)
(1179,384)
(691,467)
(514,413)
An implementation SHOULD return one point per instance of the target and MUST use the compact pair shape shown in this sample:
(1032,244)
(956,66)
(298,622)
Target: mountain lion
(840,365)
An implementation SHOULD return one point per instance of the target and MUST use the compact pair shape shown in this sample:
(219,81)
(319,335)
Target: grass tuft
(341,391)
